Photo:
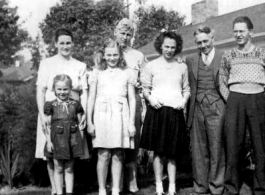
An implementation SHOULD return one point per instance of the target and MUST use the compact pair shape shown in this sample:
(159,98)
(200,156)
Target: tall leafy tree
(11,36)
(150,21)
(91,23)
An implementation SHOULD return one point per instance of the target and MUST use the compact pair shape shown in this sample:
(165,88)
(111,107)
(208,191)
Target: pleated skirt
(164,131)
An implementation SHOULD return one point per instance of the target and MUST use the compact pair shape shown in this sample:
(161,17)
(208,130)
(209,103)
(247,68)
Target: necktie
(206,60)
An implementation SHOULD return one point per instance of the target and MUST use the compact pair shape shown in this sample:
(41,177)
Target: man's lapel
(195,65)
(216,62)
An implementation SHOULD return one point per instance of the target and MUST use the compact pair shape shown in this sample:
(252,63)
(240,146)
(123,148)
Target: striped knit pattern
(238,67)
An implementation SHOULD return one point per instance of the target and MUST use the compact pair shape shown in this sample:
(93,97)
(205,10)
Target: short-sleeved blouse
(50,67)
(112,82)
(134,59)
(111,112)
(168,81)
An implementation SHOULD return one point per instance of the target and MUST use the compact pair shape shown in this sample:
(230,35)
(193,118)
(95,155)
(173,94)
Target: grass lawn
(146,184)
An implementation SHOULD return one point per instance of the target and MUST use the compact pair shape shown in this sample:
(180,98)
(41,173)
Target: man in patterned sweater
(242,80)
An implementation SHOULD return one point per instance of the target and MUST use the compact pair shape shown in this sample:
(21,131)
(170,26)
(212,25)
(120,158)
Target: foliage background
(11,35)
(18,114)
(92,23)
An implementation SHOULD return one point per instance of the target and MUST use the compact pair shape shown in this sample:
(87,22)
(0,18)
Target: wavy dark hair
(62,31)
(171,35)
(99,60)
(244,19)
(203,29)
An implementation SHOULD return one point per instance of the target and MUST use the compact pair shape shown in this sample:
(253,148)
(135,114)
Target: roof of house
(222,26)
(23,73)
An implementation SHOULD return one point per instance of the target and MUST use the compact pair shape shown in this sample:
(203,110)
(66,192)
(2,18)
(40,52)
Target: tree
(150,21)
(90,23)
(11,36)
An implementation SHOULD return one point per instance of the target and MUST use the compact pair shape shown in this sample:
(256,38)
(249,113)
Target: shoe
(172,193)
(159,193)
(102,192)
(133,190)
(196,193)
(134,193)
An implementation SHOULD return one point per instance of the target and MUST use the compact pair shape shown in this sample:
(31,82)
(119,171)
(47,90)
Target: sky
(32,12)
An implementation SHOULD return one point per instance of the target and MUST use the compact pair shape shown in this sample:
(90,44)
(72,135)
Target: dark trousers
(245,110)
(207,147)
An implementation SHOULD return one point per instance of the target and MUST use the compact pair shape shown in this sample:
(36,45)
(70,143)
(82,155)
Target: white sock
(172,187)
(159,187)
(102,191)
(115,191)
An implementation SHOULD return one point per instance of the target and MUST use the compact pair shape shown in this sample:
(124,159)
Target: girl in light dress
(111,113)
(63,137)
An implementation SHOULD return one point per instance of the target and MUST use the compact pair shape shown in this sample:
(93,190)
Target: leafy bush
(8,167)
(18,118)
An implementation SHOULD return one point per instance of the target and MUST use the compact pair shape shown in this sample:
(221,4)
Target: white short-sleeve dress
(111,111)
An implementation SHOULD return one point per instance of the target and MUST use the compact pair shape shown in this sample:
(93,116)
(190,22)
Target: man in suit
(205,115)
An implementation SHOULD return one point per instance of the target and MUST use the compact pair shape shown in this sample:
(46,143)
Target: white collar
(209,57)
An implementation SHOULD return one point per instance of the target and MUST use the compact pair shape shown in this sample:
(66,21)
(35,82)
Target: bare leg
(132,176)
(50,168)
(116,169)
(69,175)
(171,170)
(102,168)
(158,169)
(58,175)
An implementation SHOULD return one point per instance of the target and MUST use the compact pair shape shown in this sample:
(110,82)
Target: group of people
(221,92)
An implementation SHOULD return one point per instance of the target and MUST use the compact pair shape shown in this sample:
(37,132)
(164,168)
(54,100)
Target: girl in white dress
(111,113)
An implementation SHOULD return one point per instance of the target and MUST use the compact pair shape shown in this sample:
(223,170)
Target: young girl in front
(111,113)
(64,142)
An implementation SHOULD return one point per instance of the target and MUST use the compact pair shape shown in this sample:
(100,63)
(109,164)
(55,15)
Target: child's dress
(65,133)
(111,111)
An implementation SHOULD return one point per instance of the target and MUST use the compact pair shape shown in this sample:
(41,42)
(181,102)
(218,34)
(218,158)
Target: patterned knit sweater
(238,67)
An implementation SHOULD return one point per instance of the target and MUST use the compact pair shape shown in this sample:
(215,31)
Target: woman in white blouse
(166,89)
(62,63)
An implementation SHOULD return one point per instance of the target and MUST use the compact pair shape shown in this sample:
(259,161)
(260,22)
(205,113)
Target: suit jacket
(193,65)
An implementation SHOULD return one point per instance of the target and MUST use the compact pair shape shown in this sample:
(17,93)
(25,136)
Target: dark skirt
(164,131)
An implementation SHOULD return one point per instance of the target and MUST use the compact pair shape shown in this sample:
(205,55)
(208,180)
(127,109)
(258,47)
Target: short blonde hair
(62,77)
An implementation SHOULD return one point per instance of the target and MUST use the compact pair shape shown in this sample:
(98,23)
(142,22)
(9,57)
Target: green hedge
(18,119)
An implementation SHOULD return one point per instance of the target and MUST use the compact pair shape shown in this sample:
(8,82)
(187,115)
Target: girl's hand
(82,124)
(154,102)
(49,146)
(45,122)
(91,129)
(140,154)
(181,105)
(132,130)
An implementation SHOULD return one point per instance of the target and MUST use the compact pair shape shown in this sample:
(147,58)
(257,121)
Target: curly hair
(171,35)
(99,60)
